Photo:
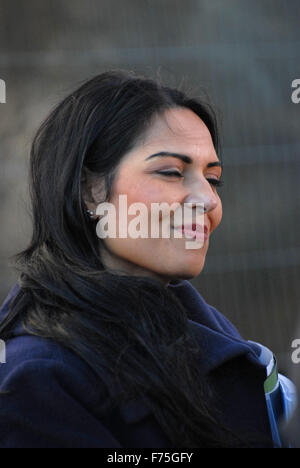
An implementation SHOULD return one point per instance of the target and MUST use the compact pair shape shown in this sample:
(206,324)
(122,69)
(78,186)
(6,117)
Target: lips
(193,231)
(194,227)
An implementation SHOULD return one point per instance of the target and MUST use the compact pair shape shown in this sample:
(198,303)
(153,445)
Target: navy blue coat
(53,394)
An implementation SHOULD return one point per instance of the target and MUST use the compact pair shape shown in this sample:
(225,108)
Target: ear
(92,189)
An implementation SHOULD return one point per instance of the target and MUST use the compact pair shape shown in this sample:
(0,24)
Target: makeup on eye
(182,157)
(186,160)
(216,182)
(170,173)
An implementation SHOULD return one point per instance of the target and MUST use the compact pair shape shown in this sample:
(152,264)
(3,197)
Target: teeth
(193,234)
(190,234)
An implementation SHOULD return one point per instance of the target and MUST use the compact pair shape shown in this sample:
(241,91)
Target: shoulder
(48,398)
(27,353)
(39,356)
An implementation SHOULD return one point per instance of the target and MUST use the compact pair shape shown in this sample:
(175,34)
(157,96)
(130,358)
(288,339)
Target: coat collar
(218,339)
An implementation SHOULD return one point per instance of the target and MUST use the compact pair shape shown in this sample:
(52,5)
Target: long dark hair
(131,329)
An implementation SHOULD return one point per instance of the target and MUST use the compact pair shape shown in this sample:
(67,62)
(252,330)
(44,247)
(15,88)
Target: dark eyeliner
(216,182)
(170,173)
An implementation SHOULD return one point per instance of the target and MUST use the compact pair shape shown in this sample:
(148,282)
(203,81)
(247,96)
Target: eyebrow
(182,157)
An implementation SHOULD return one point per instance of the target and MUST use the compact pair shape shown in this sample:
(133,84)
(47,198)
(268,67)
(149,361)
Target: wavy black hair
(131,329)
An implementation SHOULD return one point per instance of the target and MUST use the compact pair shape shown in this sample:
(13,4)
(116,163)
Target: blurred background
(245,55)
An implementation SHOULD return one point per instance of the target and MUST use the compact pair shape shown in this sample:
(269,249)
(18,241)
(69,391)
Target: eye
(170,173)
(216,182)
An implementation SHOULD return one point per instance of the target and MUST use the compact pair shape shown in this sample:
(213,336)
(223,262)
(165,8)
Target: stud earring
(90,213)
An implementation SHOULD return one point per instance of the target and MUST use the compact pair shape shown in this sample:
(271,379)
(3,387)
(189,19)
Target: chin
(189,272)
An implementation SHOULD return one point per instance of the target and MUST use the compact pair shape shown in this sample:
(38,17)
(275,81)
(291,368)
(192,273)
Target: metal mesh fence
(245,54)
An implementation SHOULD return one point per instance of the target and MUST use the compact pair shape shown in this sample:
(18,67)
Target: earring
(90,213)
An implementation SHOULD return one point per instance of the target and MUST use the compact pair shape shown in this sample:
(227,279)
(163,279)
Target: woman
(107,343)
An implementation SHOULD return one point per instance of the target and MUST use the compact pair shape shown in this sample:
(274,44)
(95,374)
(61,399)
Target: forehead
(177,123)
(179,129)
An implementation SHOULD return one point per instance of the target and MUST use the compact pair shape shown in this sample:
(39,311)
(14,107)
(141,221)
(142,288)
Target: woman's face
(176,131)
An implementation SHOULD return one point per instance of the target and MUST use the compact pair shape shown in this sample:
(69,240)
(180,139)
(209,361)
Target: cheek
(142,190)
(136,190)
(216,216)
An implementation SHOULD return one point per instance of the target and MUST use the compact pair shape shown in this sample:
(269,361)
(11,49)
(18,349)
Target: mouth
(193,231)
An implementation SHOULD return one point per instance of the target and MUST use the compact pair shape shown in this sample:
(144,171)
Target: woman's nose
(203,202)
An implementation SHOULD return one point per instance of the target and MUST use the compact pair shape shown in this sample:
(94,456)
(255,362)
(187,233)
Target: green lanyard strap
(271,381)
